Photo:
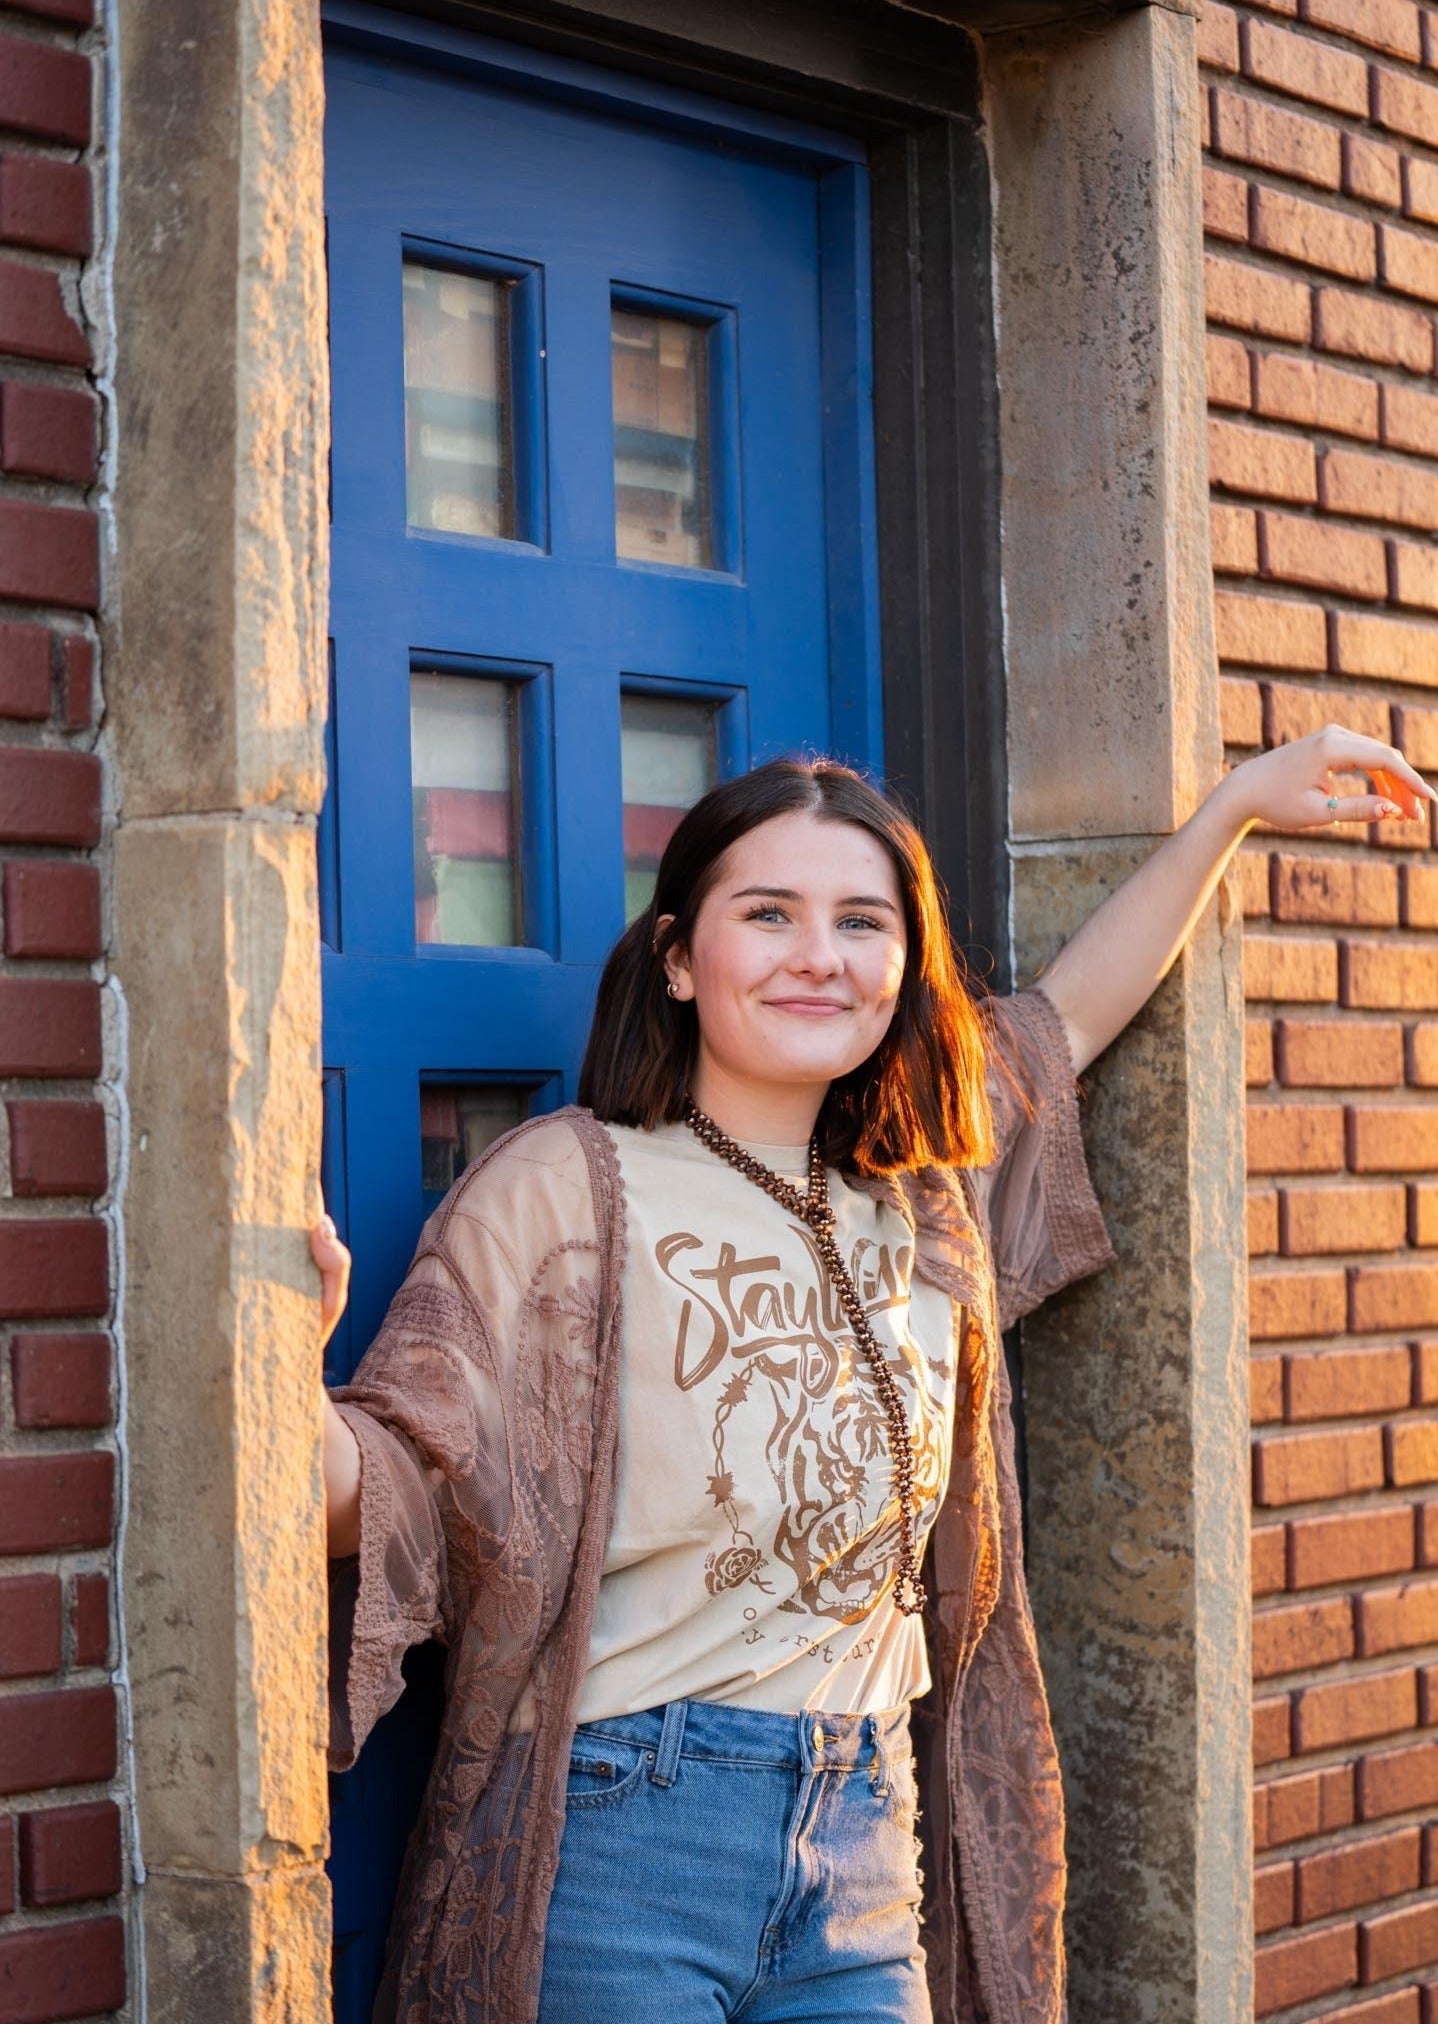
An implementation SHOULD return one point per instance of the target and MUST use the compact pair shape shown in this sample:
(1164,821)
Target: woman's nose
(818,953)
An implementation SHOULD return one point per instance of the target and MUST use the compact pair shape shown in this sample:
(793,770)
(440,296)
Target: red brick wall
(62,1867)
(1321,206)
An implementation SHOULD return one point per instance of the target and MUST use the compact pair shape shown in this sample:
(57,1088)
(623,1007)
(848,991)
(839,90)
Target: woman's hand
(334,1263)
(1293,786)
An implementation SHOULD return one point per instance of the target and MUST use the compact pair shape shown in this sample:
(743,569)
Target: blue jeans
(726,1865)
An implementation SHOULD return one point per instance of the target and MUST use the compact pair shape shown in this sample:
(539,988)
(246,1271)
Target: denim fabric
(725,1863)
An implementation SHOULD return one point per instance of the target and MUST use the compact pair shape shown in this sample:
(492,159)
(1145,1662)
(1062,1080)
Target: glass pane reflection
(456,1122)
(661,439)
(464,768)
(669,759)
(458,456)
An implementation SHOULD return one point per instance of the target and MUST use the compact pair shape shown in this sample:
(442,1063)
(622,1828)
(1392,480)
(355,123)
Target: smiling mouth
(807,1005)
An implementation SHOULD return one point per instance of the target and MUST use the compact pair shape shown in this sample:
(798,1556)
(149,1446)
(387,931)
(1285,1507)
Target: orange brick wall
(1321,210)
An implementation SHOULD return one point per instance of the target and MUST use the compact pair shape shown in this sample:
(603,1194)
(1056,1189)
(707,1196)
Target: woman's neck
(764,1113)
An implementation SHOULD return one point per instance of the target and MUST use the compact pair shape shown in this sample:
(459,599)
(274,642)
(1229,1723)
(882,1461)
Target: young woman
(680,1386)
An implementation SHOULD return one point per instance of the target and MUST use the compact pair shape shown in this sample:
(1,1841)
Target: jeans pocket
(604,1771)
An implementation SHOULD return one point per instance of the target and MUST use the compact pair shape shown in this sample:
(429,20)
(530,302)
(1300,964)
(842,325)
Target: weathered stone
(253,1947)
(225,1554)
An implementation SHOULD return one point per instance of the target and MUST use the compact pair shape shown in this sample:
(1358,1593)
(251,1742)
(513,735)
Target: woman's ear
(676,961)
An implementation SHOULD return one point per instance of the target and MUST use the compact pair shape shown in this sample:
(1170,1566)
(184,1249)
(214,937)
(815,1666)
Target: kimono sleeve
(1045,1225)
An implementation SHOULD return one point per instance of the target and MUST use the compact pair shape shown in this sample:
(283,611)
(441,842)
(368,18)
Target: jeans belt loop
(665,1768)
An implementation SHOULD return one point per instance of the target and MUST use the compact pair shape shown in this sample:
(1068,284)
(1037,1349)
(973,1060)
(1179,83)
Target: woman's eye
(765,914)
(858,921)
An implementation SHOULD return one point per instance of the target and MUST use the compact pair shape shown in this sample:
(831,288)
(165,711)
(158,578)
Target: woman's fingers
(1353,748)
(333,1261)
(1396,789)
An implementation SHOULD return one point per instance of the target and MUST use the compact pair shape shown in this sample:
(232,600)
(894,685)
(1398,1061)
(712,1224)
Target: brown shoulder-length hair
(920,1099)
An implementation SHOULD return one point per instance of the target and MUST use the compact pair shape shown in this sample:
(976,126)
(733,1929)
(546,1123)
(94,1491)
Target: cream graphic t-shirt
(755,1541)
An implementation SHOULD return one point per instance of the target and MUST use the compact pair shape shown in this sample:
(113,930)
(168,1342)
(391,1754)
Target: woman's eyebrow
(787,893)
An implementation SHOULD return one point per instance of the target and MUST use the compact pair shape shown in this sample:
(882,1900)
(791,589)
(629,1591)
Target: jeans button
(818,1737)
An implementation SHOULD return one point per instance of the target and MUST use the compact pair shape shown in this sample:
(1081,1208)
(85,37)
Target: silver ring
(1333,806)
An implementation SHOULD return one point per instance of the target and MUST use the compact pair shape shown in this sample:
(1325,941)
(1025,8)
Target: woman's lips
(808,1008)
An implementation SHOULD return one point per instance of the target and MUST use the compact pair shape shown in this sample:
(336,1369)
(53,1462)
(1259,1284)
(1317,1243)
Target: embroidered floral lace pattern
(486,1412)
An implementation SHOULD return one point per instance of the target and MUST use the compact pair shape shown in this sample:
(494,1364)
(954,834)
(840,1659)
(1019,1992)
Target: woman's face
(796,957)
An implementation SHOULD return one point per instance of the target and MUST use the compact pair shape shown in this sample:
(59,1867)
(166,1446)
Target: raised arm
(1109,968)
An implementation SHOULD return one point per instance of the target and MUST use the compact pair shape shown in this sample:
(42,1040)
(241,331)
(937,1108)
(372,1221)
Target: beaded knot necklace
(815,1209)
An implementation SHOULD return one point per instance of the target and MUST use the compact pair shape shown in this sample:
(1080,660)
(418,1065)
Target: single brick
(1254,884)
(1415,733)
(1391,1138)
(1371,327)
(30,1629)
(1316,1222)
(1265,1390)
(65,1736)
(1390,649)
(1398,1941)
(1217,37)
(1423,1214)
(1301,1635)
(44,91)
(49,554)
(1303,67)
(1261,462)
(1398,1781)
(1262,1222)
(60,1380)
(1297,229)
(1420,189)
(1286,1972)
(1248,130)
(1392,1296)
(1334,890)
(1240,707)
(1291,711)
(49,1026)
(90,1618)
(1412,580)
(1272,1897)
(1314,395)
(57,1148)
(1257,1052)
(1389,25)
(51,1972)
(1271,1719)
(1282,1305)
(47,432)
(1338,1054)
(1315,1802)
(1299,1468)
(70,1853)
(1293,1138)
(56,1503)
(52,907)
(1296,549)
(1286,969)
(1350,1711)
(1225,205)
(1268,1559)
(1418,895)
(78,13)
(1233,537)
(78,658)
(34,319)
(1384,976)
(24,672)
(1408,263)
(1409,419)
(45,204)
(1425,1371)
(1229,379)
(1358,1873)
(1269,632)
(1421,1054)
(1405,105)
(49,797)
(1350,1545)
(1372,171)
(54,1266)
(1412,1452)
(1393,1619)
(1335,1383)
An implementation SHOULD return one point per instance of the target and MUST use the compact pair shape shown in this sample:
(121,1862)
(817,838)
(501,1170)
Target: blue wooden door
(602,533)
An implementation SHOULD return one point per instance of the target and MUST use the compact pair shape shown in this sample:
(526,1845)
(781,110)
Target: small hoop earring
(673,988)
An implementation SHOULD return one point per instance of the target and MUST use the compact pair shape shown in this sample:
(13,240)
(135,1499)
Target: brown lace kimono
(486,1412)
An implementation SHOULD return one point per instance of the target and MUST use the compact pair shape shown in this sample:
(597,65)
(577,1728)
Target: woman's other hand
(333,1261)
(1301,786)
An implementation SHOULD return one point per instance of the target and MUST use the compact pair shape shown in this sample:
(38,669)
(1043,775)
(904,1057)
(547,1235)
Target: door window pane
(465,772)
(459,475)
(456,1122)
(661,439)
(669,760)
